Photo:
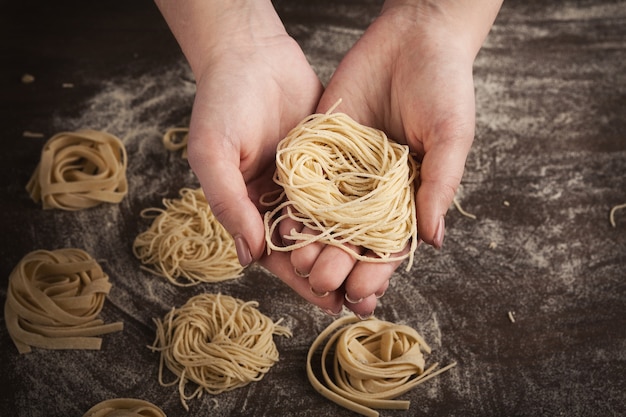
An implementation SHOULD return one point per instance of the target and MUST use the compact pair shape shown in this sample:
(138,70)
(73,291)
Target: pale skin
(409,75)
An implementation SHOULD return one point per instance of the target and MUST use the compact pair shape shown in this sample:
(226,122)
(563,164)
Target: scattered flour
(135,108)
(138,111)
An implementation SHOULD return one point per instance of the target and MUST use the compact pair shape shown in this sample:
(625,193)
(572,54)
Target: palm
(246,102)
(423,97)
(394,80)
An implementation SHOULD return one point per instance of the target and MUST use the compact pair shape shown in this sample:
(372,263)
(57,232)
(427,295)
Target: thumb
(225,190)
(440,175)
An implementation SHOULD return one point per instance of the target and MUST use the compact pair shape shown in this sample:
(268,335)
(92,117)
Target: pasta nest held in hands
(185,243)
(79,170)
(53,301)
(350,184)
(218,342)
(367,364)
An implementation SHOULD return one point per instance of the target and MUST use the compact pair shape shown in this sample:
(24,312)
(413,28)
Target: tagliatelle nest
(367,364)
(78,170)
(54,299)
(124,407)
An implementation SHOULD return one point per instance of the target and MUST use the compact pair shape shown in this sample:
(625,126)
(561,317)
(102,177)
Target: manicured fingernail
(379,294)
(319,294)
(441,230)
(364,316)
(300,274)
(285,241)
(331,312)
(243,250)
(351,301)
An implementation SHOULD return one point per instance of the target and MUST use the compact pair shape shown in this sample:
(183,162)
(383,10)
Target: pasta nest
(79,170)
(186,243)
(350,183)
(53,301)
(218,342)
(369,363)
(124,407)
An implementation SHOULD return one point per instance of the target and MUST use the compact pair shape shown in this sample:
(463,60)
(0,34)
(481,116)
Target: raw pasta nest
(186,244)
(79,170)
(218,342)
(124,407)
(53,301)
(348,182)
(367,364)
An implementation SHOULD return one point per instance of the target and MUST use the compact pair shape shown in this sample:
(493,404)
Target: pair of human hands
(410,75)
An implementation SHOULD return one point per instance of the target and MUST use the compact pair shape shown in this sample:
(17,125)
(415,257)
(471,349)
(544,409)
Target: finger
(304,258)
(369,279)
(286,227)
(382,290)
(331,268)
(280,265)
(364,308)
(440,175)
(225,189)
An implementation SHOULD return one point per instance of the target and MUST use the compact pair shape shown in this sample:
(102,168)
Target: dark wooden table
(548,163)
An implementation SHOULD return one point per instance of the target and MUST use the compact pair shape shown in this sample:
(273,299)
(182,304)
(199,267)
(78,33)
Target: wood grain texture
(548,163)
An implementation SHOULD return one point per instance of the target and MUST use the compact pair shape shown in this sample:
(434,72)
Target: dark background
(547,165)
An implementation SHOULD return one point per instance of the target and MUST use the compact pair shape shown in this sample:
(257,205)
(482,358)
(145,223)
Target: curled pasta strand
(612,213)
(175,139)
(348,182)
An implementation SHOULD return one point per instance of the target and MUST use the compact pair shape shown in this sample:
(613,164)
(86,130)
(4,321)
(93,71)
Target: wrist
(206,28)
(463,25)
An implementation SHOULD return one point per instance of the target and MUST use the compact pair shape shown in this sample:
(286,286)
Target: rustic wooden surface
(548,163)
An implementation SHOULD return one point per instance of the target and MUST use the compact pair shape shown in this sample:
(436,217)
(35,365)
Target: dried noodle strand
(79,170)
(373,362)
(612,213)
(175,139)
(350,183)
(54,299)
(185,243)
(460,209)
(124,407)
(217,342)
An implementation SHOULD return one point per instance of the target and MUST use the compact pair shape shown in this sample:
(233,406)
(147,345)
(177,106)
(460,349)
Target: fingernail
(379,295)
(351,301)
(300,274)
(319,294)
(331,312)
(364,316)
(441,230)
(243,250)
(287,242)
